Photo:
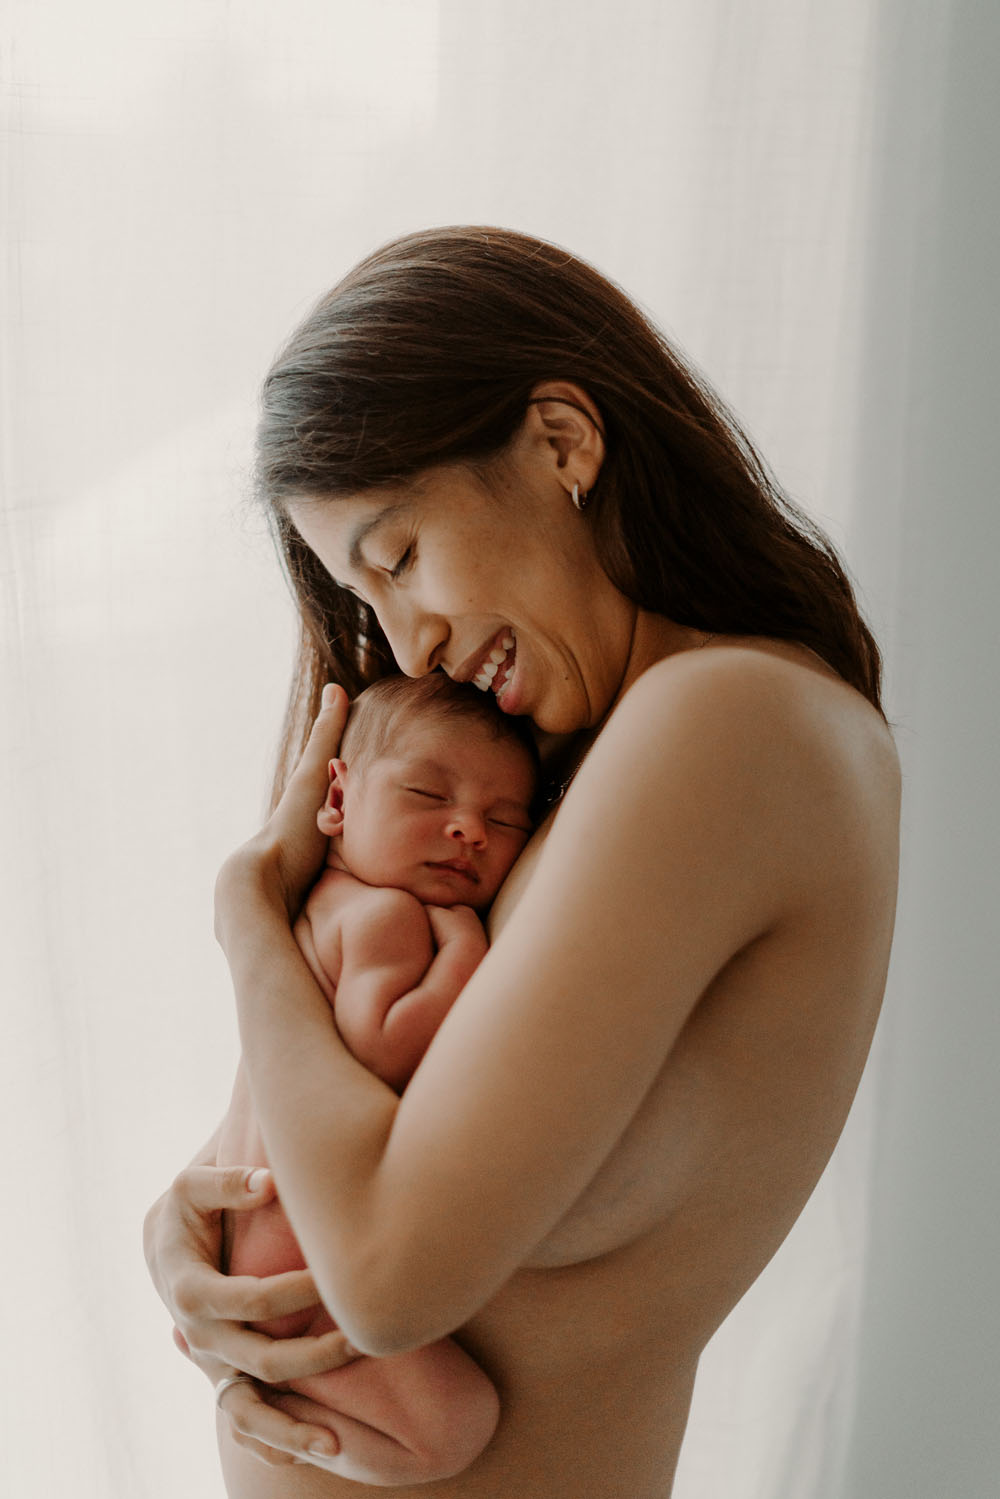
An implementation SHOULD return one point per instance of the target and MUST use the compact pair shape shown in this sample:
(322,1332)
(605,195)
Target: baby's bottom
(411,1417)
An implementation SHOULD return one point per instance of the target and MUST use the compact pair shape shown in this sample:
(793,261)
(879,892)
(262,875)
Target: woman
(483,441)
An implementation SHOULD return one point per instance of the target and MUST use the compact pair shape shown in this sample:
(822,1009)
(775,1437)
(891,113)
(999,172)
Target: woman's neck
(655,637)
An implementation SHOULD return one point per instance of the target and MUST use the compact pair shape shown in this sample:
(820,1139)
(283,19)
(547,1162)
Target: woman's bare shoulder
(761,701)
(754,757)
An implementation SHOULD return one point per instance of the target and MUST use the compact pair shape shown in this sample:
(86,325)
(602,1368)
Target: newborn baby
(426,812)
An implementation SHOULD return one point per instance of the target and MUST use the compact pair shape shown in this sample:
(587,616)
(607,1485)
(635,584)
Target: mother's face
(470,578)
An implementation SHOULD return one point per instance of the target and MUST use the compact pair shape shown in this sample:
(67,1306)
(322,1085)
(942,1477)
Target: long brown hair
(427,353)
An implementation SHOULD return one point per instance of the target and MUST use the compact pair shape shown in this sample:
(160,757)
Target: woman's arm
(679,844)
(182,1239)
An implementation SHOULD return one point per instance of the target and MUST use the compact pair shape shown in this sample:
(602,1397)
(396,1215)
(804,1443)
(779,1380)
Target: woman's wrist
(248,886)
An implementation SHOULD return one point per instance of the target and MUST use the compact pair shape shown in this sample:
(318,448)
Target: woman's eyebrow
(366,528)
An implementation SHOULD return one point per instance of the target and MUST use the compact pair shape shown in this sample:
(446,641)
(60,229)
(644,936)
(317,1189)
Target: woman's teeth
(498,655)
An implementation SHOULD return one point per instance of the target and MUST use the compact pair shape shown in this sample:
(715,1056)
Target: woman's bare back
(593,1345)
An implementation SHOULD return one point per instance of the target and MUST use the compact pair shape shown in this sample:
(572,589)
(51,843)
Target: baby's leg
(409,1418)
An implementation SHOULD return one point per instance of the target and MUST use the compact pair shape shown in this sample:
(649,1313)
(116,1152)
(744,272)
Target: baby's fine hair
(387,709)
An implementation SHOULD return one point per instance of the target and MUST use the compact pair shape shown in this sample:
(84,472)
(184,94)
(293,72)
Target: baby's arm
(394,988)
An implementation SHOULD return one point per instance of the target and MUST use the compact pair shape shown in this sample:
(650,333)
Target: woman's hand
(182,1240)
(285,855)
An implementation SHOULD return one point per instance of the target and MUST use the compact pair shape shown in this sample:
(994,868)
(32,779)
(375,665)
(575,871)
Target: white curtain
(801,193)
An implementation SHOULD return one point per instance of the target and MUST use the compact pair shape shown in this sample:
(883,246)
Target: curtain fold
(926,536)
(793,191)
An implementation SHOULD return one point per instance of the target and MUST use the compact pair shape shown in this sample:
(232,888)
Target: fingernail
(322,1449)
(329,694)
(256,1181)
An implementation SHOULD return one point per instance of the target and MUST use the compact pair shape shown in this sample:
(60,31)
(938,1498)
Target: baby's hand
(461,925)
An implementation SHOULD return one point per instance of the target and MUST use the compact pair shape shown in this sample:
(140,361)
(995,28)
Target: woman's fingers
(183,1233)
(202,1293)
(209,1308)
(275,1361)
(209,1189)
(333,710)
(308,783)
(270,1434)
(311,775)
(288,851)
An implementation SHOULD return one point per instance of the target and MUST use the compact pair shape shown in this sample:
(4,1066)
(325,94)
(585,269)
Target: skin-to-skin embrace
(436,810)
(634,1095)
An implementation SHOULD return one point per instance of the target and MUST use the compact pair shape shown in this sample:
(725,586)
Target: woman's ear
(330,817)
(564,424)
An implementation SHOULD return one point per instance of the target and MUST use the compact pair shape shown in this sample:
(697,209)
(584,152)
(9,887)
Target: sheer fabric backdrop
(793,190)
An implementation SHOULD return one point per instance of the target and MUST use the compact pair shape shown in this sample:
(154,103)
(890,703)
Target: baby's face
(444,816)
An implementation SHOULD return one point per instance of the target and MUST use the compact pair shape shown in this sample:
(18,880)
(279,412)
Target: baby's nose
(467,827)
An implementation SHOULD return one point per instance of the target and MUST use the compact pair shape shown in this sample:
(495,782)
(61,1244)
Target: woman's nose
(415,639)
(467,826)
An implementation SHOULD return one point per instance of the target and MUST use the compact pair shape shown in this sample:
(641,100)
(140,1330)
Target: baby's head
(432,791)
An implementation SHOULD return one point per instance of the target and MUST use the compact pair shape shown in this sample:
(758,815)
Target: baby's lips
(457,866)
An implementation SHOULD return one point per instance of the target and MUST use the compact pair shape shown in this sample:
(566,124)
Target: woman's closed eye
(404,562)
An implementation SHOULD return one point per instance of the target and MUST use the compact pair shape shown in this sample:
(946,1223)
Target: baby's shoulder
(333,890)
(381,925)
(371,910)
(368,920)
(338,889)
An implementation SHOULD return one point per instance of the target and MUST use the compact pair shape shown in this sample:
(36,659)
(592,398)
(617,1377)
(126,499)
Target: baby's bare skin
(422,1413)
(444,817)
(406,964)
(593,1344)
(387,1414)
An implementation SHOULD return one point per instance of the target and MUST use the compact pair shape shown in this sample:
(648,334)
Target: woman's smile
(492,667)
(511,598)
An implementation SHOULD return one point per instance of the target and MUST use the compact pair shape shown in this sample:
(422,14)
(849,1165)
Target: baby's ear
(330,817)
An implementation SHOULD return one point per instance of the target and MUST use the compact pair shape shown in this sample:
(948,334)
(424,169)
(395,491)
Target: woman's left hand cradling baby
(287,852)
